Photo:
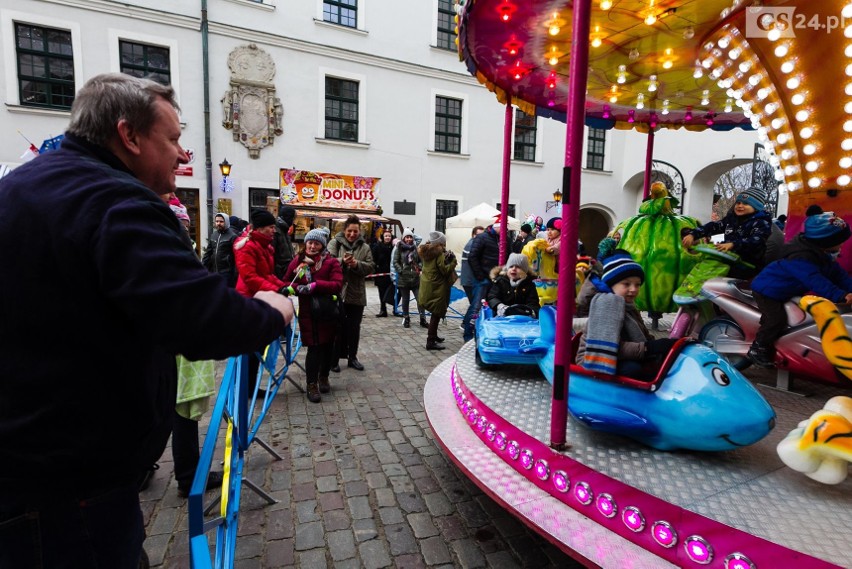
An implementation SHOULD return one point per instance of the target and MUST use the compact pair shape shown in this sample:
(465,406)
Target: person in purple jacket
(103,295)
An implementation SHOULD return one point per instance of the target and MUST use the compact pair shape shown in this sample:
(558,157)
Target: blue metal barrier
(242,414)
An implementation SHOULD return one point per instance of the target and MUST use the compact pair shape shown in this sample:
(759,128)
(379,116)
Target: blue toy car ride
(505,339)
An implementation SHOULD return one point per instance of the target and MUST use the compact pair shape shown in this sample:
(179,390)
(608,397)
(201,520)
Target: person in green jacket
(438,275)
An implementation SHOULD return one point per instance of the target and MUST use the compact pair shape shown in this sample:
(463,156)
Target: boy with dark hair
(808,263)
(746,229)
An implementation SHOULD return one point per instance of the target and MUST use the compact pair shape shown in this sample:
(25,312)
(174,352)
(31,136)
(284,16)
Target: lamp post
(225,169)
(557,199)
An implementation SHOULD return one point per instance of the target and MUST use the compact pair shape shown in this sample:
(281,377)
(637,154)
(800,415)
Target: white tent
(460,226)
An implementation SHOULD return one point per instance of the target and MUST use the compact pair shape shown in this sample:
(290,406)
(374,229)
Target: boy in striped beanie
(616,340)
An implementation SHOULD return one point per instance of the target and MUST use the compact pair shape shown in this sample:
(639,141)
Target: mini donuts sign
(323,189)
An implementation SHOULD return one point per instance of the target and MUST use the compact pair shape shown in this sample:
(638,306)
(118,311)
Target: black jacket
(281,240)
(219,255)
(103,295)
(502,291)
(484,253)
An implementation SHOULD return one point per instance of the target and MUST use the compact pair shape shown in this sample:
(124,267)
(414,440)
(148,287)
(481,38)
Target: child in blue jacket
(807,264)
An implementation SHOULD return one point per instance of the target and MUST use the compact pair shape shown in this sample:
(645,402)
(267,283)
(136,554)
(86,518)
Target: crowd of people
(123,288)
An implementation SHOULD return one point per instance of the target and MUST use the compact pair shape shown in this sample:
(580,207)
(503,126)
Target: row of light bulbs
(783,147)
(698,549)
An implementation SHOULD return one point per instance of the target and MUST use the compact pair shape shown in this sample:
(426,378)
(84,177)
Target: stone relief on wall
(250,106)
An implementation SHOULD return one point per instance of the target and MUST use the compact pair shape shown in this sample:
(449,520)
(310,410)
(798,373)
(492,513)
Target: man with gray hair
(105,295)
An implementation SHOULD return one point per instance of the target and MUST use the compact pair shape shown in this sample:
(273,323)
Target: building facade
(359,87)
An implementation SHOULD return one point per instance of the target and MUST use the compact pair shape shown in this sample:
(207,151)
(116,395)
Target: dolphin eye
(721,377)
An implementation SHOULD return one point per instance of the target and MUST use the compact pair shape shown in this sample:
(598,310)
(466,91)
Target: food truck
(324,199)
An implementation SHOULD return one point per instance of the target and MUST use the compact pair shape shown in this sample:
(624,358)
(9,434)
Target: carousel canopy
(644,66)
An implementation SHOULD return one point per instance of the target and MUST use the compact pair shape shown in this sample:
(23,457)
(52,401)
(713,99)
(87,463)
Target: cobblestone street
(362,483)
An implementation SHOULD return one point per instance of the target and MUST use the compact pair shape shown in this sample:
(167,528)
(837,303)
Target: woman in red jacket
(318,279)
(255,258)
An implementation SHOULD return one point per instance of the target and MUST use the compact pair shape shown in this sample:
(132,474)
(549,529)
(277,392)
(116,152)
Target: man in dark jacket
(281,239)
(219,254)
(484,256)
(525,235)
(106,284)
(467,281)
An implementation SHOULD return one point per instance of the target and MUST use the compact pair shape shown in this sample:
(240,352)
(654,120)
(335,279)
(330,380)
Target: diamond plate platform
(749,489)
(573,532)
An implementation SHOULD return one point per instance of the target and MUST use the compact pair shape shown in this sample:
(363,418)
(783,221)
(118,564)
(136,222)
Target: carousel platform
(610,502)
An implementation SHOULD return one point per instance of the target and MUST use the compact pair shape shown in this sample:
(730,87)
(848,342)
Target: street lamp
(225,168)
(557,199)
(226,185)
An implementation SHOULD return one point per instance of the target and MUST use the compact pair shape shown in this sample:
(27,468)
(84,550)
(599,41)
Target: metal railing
(241,413)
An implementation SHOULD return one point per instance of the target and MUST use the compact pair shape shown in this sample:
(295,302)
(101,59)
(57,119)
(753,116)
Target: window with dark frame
(447,24)
(510,208)
(448,122)
(341,12)
(525,136)
(143,60)
(257,198)
(443,210)
(341,109)
(45,66)
(596,149)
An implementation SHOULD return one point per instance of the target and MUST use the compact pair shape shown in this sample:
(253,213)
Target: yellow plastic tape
(226,471)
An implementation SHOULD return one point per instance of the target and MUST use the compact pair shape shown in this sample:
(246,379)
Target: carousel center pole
(504,194)
(570,218)
(649,158)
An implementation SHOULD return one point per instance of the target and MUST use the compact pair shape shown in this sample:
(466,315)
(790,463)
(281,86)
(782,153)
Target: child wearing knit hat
(746,229)
(616,339)
(807,263)
(513,288)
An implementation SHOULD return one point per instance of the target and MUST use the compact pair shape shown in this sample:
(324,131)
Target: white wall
(401,70)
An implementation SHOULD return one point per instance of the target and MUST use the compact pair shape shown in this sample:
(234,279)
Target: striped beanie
(824,229)
(619,266)
(317,235)
(755,197)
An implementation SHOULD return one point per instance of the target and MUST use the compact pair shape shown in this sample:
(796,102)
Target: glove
(501,309)
(659,347)
(286,290)
(306,288)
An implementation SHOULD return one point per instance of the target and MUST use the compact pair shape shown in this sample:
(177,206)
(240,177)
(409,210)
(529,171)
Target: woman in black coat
(382,250)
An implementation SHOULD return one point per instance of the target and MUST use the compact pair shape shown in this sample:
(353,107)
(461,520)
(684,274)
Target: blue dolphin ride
(697,402)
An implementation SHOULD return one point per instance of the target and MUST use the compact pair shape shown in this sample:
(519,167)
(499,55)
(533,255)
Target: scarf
(603,334)
(408,253)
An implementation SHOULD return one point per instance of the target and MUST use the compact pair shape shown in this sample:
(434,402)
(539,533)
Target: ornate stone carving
(250,107)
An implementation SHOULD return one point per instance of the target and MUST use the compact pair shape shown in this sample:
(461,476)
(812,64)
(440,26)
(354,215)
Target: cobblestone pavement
(363,482)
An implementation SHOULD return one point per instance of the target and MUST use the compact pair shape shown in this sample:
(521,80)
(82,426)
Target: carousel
(701,466)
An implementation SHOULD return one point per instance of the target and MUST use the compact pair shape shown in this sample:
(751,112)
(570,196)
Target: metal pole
(208,162)
(570,218)
(649,158)
(504,195)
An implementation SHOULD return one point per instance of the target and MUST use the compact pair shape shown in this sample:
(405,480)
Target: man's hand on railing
(279,303)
